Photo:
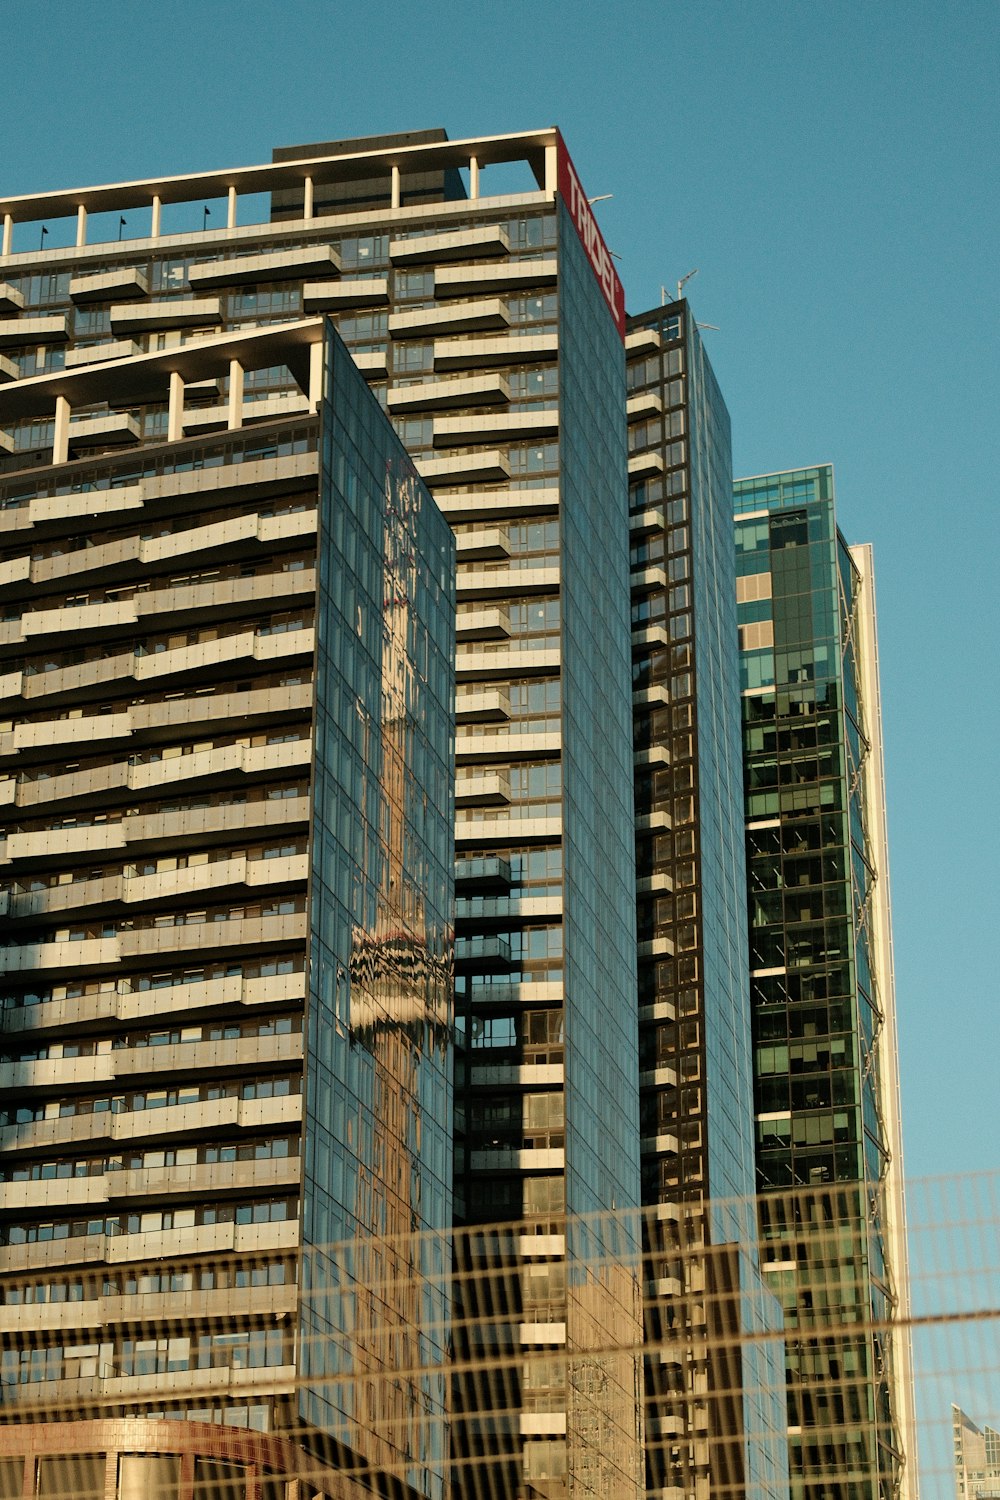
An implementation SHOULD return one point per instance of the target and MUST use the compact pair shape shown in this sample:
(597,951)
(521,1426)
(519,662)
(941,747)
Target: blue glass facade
(602,1159)
(378,1073)
(816,1010)
(602,1101)
(697,1111)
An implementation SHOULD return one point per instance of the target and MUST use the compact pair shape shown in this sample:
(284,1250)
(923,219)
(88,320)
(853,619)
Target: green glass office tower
(826,1093)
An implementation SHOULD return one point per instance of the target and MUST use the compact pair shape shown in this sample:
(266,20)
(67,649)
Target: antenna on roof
(683,282)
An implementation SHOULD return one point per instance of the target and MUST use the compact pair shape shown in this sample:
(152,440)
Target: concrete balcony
(540,1333)
(464,468)
(648,580)
(373,363)
(479,665)
(655,756)
(216,418)
(230,1305)
(641,341)
(235,1056)
(499,505)
(11,300)
(475,873)
(99,354)
(658,1145)
(653,885)
(70,684)
(150,832)
(151,944)
(53,1197)
(86,957)
(645,465)
(482,791)
(502,427)
(516,349)
(507,583)
(655,948)
(515,275)
(510,831)
(455,317)
(651,697)
(480,546)
(118,428)
(482,625)
(530,1159)
(517,1075)
(124,282)
(472,748)
(156,722)
(214,1181)
(15,332)
(342,296)
(482,954)
(649,638)
(176,312)
(458,244)
(214,879)
(288,264)
(228,541)
(435,395)
(646,522)
(527,993)
(482,707)
(55,844)
(81,896)
(657,822)
(177,606)
(643,404)
(658,1078)
(8,369)
(504,909)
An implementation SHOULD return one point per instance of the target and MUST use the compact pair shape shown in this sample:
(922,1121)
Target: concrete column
(235,418)
(8,233)
(551,169)
(60,437)
(307,198)
(394,199)
(81,226)
(154,228)
(316,355)
(175,410)
(231,216)
(473,176)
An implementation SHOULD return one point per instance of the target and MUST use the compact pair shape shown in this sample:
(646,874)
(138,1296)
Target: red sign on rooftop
(591,238)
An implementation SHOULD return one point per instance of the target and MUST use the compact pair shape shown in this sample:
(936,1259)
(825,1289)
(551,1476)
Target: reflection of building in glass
(823,1008)
(227,979)
(491,330)
(716,1409)
(977,1458)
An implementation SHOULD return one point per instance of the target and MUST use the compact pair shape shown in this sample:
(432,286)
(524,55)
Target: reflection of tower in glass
(398,1008)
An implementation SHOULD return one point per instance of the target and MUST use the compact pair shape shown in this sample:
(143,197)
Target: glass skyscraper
(826,1092)
(703,1437)
(237,624)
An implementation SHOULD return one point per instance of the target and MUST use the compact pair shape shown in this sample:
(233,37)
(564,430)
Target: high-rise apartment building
(976,1453)
(491,330)
(227,703)
(194,474)
(823,1010)
(715,1413)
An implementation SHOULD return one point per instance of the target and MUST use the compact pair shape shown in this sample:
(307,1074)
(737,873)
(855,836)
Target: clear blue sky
(831,169)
